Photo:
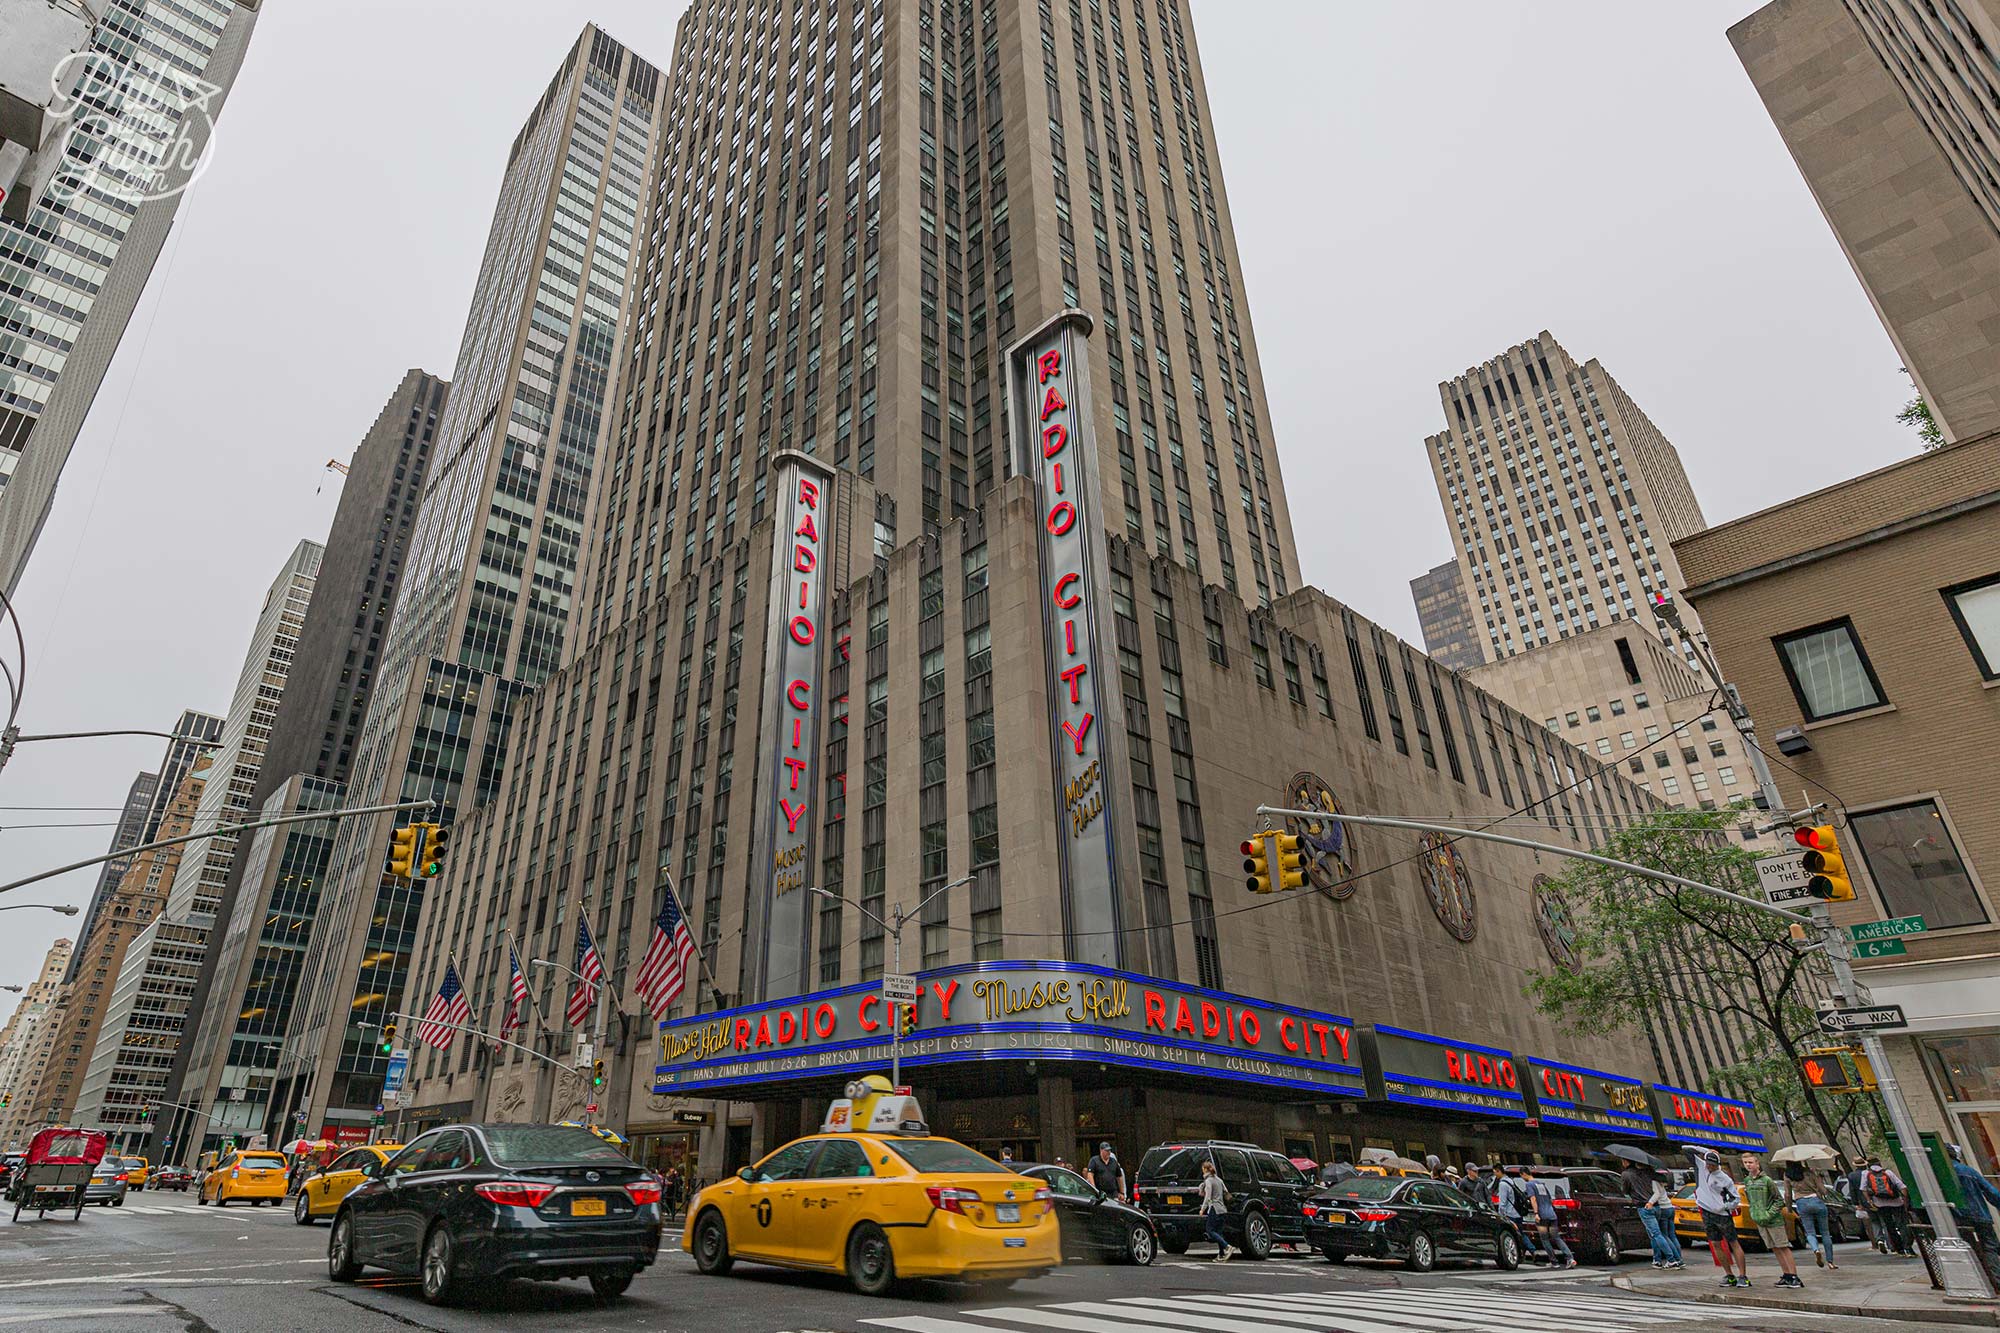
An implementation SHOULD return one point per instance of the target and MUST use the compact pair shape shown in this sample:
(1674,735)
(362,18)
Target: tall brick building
(939,555)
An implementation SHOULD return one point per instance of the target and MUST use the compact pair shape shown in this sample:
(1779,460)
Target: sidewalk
(1868,1283)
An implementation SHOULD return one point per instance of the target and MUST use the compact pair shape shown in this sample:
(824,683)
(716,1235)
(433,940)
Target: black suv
(1597,1218)
(1266,1194)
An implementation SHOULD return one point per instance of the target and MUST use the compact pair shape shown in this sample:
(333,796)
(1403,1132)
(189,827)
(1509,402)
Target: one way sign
(1882,1017)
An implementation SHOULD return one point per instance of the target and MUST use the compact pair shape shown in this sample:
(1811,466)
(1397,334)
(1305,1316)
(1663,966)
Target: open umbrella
(1636,1156)
(1305,1164)
(1804,1152)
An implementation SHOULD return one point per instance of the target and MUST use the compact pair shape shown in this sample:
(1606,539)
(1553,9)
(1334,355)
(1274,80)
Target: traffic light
(1823,1071)
(404,844)
(1288,860)
(1257,862)
(1826,871)
(388,1038)
(597,1073)
(431,863)
(6,1099)
(906,1021)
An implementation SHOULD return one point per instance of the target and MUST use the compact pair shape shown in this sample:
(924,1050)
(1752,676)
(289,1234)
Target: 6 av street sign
(1784,879)
(1888,930)
(1881,1018)
(1878,948)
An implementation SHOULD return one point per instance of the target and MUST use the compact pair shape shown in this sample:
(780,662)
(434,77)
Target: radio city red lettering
(1481,1070)
(821,1022)
(1563,1085)
(1208,1021)
(798,693)
(1059,517)
(1694,1109)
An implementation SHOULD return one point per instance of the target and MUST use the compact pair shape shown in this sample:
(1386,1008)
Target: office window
(1627,739)
(1976,608)
(1617,708)
(1570,718)
(1828,671)
(1639,700)
(1652,734)
(1728,776)
(1671,785)
(1592,714)
(1708,724)
(1717,749)
(1604,745)
(1916,865)
(1699,779)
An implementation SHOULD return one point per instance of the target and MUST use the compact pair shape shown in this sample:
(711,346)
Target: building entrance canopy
(1043,1010)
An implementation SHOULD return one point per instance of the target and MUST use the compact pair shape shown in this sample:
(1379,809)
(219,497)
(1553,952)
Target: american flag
(664,971)
(589,971)
(449,1010)
(517,995)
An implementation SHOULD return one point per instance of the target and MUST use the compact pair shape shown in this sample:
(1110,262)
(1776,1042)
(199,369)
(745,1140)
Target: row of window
(1830,673)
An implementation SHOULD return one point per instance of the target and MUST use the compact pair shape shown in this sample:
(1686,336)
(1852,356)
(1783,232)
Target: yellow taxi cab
(876,1196)
(1687,1222)
(320,1193)
(256,1174)
(137,1170)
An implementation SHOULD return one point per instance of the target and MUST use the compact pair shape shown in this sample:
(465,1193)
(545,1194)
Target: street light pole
(64,908)
(1964,1278)
(898,918)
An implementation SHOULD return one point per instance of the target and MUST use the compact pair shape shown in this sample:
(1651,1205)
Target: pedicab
(57,1171)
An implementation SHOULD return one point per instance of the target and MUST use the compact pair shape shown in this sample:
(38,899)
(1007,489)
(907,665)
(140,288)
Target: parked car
(1597,1218)
(1415,1220)
(468,1204)
(1095,1225)
(107,1183)
(1266,1194)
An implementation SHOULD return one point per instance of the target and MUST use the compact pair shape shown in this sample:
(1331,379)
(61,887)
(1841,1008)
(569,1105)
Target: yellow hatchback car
(878,1204)
(320,1194)
(257,1175)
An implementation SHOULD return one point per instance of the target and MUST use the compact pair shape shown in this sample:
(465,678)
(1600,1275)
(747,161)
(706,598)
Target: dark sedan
(1417,1221)
(467,1204)
(1094,1225)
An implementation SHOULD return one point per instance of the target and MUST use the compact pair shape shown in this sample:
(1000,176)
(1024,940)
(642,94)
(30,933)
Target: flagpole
(667,882)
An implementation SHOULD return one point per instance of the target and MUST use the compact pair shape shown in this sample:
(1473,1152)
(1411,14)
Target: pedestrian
(1434,1166)
(1976,1192)
(1107,1172)
(1716,1195)
(1660,1208)
(1006,1155)
(673,1184)
(1809,1194)
(1851,1182)
(1638,1185)
(1766,1197)
(1472,1187)
(1546,1222)
(1214,1207)
(1889,1200)
(1517,1205)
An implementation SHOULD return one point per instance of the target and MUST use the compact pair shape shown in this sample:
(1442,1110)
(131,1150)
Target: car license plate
(1010,1212)
(586,1207)
(1015,1242)
(1174,1198)
(1334,1217)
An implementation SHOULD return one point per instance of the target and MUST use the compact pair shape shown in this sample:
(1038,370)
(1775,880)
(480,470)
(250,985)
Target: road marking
(84,1312)
(1403,1310)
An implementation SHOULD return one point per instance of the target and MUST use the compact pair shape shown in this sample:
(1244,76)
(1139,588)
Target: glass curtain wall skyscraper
(485,602)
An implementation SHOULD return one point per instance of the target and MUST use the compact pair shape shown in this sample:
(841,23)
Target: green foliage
(1647,949)
(1917,413)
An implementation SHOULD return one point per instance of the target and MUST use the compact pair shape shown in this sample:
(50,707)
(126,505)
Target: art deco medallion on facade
(1554,922)
(1448,884)
(1329,855)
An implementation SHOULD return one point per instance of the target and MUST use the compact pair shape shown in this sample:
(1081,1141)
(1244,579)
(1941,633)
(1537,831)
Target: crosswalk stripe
(1317,1315)
(1426,1319)
(1272,1311)
(1432,1305)
(923,1323)
(1598,1308)
(1059,1316)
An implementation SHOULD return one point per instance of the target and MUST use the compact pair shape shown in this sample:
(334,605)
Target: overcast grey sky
(1415,186)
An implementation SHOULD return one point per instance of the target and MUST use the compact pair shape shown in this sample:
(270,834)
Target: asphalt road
(160,1265)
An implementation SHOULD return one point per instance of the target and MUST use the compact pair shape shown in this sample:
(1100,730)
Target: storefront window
(1916,865)
(1968,1068)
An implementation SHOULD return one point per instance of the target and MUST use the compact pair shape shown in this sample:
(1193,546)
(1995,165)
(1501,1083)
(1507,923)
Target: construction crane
(332,465)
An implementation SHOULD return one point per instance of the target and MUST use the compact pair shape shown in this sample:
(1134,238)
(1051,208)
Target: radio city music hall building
(918,562)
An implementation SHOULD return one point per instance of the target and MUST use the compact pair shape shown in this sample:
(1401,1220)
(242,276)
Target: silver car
(107,1184)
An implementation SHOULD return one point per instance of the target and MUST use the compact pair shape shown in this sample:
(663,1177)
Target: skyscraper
(1450,635)
(130,831)
(939,563)
(485,602)
(1891,109)
(142,1025)
(25,1043)
(72,273)
(244,996)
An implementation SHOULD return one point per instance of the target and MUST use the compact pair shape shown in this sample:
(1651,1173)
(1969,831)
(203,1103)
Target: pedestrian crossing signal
(1823,1072)
(1826,870)
(404,844)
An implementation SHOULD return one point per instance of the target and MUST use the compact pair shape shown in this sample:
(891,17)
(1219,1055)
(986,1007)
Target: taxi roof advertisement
(1018,1010)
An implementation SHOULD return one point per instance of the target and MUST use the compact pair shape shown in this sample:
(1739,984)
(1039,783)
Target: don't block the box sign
(1049,388)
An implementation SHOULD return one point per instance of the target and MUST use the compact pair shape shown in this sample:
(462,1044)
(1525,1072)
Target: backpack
(1881,1189)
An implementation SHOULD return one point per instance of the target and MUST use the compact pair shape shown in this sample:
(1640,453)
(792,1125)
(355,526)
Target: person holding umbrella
(1647,1188)
(1809,1191)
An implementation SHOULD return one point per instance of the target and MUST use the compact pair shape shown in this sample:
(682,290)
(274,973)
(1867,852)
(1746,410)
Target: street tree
(1645,950)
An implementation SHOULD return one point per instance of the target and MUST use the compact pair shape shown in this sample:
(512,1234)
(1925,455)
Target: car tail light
(1567,1203)
(1046,1200)
(514,1193)
(948,1199)
(645,1191)
(1373,1215)
(1310,1210)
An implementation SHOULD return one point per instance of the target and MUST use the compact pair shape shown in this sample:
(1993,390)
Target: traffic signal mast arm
(218,831)
(487,1036)
(1485,835)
